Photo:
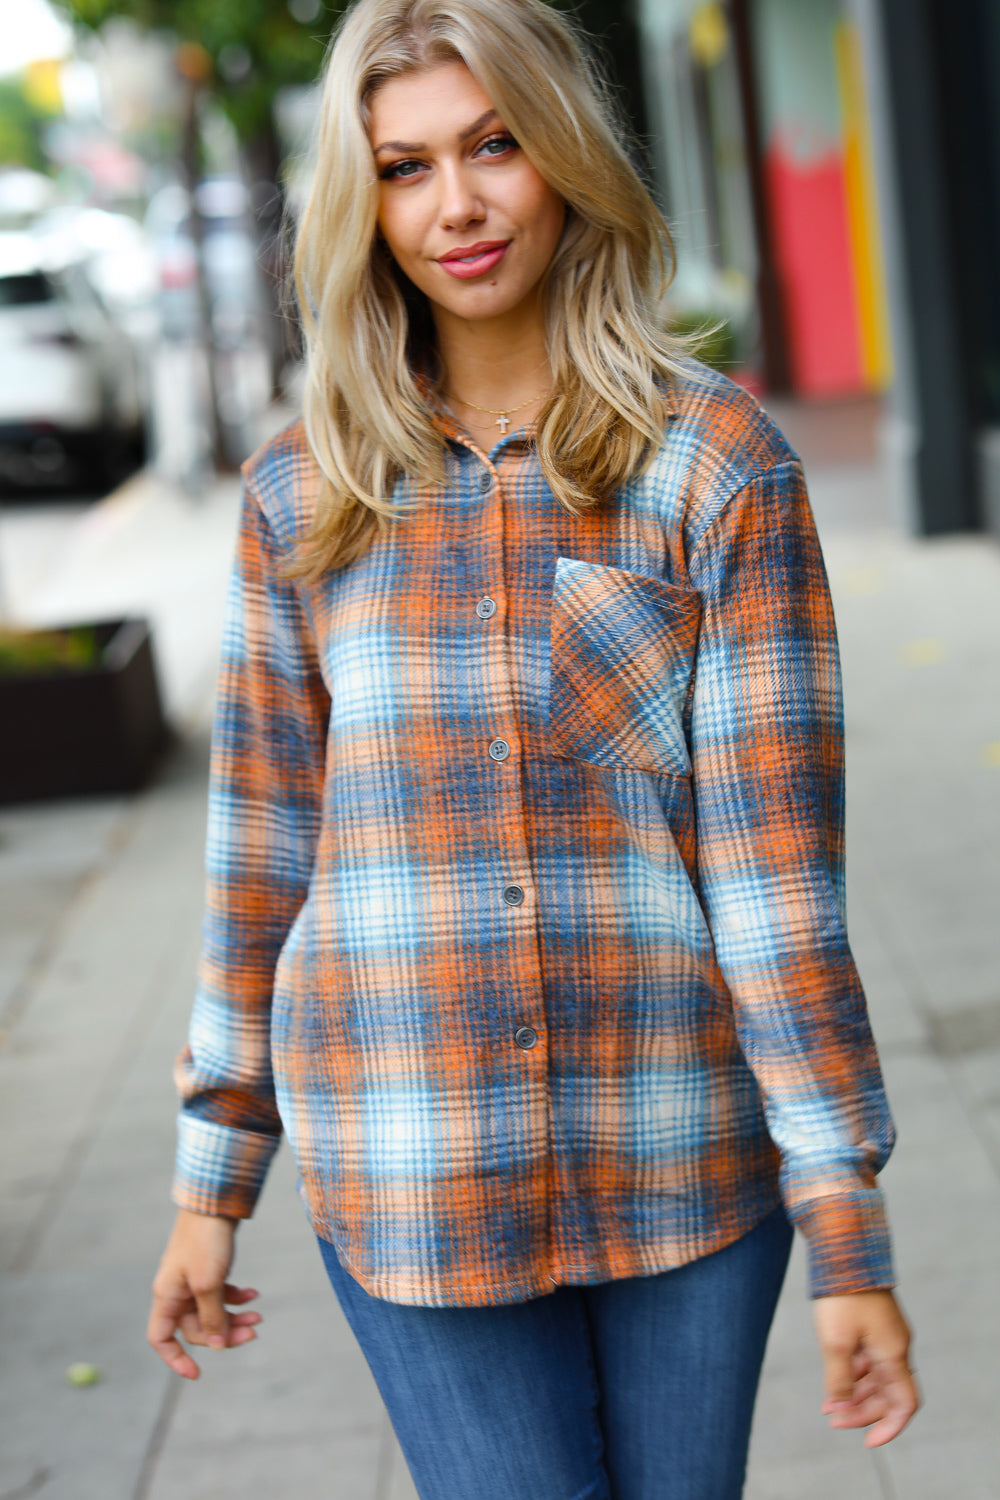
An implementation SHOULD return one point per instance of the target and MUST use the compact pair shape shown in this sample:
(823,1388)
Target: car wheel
(113,455)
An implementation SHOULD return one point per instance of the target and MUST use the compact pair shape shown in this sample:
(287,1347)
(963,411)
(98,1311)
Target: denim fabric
(640,1389)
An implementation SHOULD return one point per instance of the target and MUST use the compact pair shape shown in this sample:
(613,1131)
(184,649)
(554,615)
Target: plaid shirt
(525,906)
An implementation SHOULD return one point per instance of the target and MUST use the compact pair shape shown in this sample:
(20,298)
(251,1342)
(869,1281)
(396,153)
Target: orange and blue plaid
(525,906)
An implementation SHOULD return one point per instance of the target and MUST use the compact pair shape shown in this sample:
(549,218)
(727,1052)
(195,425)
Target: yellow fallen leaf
(862,581)
(925,653)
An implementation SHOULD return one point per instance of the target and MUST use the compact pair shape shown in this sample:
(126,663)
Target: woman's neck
(494,363)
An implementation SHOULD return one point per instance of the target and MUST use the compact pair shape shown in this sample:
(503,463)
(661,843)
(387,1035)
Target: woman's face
(466,216)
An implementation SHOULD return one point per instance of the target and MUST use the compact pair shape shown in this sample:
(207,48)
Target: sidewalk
(146,549)
(99,913)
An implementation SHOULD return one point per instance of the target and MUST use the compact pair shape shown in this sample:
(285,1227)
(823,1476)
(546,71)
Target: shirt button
(486,481)
(485,608)
(526,1037)
(499,749)
(513,895)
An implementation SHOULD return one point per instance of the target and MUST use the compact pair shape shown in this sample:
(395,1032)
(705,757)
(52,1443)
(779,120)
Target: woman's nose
(460,204)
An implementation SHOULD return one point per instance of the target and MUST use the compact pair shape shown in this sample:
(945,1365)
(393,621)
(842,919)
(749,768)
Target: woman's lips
(476,263)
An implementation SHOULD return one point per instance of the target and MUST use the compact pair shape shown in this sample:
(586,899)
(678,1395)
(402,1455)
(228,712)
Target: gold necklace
(503,417)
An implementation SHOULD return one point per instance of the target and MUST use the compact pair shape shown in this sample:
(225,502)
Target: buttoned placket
(503,750)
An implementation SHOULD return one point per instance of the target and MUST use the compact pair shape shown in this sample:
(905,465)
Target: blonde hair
(368,333)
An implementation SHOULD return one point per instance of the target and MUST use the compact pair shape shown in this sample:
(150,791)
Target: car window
(29,287)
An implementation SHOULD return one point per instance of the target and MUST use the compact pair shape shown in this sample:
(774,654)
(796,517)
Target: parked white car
(70,386)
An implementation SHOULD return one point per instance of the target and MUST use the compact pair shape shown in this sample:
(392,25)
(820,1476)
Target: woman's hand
(190,1292)
(864,1340)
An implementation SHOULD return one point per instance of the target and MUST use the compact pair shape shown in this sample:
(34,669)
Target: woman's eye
(399,169)
(496,145)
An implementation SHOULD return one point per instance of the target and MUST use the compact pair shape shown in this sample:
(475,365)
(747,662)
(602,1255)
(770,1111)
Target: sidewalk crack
(38,1481)
(887,1483)
(158,1439)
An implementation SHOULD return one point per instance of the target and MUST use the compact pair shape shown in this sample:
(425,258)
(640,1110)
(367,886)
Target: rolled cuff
(849,1248)
(220,1170)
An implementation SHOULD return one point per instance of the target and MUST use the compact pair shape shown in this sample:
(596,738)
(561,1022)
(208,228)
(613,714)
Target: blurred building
(831,169)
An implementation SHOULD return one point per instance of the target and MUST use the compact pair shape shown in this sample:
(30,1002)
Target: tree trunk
(191,166)
(770,289)
(262,162)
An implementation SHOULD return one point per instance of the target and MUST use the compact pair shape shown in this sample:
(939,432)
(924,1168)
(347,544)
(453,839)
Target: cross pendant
(503,422)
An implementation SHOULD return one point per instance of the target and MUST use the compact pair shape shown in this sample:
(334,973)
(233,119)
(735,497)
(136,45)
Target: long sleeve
(767,756)
(264,812)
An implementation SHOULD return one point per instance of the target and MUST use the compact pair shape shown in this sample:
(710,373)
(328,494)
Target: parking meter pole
(192,174)
(4,621)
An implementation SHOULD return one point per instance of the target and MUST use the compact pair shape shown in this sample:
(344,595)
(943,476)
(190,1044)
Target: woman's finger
(860,1413)
(190,1327)
(235,1295)
(883,1401)
(213,1318)
(838,1375)
(242,1335)
(900,1400)
(161,1336)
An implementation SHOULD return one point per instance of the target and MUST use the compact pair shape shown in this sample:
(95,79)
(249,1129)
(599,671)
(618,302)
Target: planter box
(83,731)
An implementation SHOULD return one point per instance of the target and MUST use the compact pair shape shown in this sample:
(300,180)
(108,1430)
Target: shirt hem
(651,1261)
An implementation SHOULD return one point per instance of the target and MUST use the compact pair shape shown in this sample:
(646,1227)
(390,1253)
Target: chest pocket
(622,656)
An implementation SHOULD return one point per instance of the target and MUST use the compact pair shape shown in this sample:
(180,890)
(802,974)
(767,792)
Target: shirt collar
(518,438)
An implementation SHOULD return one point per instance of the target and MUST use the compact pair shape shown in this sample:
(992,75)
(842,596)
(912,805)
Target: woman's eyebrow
(414,146)
(484,119)
(418,146)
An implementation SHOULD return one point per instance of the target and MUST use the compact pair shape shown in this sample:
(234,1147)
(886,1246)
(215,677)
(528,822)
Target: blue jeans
(640,1389)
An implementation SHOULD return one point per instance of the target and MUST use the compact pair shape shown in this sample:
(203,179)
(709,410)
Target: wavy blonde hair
(369,335)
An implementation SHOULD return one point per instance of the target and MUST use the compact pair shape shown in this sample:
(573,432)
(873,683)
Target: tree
(255,47)
(23,120)
(242,53)
(258,47)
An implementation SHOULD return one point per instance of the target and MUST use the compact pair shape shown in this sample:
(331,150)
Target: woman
(525,912)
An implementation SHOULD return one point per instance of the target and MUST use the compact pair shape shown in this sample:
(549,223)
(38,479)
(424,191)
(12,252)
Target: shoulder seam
(736,491)
(258,472)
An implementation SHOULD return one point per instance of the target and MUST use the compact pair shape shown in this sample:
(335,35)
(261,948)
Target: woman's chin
(484,301)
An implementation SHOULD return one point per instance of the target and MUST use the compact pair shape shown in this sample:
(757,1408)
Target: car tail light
(174,276)
(65,337)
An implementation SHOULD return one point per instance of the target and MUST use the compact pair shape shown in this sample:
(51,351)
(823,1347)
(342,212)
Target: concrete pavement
(149,549)
(99,913)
